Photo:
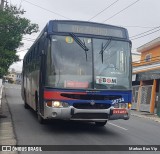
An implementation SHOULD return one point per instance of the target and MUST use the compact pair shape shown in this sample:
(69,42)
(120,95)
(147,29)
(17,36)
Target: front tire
(40,119)
(101,124)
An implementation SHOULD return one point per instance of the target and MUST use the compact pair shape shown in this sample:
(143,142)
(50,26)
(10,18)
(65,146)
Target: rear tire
(26,106)
(101,124)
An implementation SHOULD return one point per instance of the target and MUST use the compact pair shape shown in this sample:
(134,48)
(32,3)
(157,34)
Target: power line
(121,10)
(103,10)
(146,35)
(2,5)
(20,3)
(145,32)
(137,26)
(28,39)
(22,50)
(47,10)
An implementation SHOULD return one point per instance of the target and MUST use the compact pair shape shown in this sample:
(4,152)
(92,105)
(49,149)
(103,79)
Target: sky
(140,17)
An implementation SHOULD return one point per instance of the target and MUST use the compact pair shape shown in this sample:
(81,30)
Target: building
(14,77)
(136,57)
(146,78)
(11,77)
(18,78)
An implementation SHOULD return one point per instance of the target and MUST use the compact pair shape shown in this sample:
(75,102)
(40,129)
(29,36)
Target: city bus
(78,70)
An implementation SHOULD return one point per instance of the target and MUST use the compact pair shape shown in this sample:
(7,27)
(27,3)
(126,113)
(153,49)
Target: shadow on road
(73,127)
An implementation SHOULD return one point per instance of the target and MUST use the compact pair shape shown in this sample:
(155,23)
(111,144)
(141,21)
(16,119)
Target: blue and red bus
(78,70)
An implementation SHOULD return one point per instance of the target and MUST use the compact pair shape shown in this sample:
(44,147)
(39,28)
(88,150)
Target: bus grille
(90,106)
(91,97)
(90,116)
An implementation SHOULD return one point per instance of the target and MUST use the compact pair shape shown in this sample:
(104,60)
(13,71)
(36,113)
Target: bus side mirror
(130,43)
(44,46)
(42,53)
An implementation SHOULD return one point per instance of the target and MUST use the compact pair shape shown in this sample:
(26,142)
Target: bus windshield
(104,65)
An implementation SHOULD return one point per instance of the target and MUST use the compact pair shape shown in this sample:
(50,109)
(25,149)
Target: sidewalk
(146,115)
(7,136)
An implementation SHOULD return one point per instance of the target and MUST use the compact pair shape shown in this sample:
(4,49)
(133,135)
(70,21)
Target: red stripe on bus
(57,95)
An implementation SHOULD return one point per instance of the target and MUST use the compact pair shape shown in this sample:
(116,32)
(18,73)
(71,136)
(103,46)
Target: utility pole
(2,5)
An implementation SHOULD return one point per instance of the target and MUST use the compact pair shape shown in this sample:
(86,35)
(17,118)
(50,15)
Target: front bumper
(72,113)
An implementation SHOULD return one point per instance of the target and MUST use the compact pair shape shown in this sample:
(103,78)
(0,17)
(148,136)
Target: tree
(12,28)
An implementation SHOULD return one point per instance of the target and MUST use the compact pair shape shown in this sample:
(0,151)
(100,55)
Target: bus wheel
(100,124)
(126,118)
(26,106)
(40,119)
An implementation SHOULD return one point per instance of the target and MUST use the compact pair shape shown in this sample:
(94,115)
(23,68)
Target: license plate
(119,111)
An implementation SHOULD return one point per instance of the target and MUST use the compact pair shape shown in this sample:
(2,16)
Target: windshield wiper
(103,48)
(80,43)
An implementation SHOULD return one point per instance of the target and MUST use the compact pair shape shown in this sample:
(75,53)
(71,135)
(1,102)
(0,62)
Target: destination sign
(93,29)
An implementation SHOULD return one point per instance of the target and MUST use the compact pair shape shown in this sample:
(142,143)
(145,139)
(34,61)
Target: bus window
(67,62)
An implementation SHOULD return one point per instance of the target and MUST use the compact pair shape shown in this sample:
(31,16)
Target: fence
(135,97)
(144,95)
(145,98)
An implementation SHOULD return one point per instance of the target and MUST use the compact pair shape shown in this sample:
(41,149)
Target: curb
(1,89)
(156,119)
(7,135)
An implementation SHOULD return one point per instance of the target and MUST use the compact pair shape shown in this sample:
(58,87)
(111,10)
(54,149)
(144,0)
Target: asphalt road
(136,131)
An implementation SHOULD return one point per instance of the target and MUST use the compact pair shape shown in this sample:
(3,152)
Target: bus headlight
(123,105)
(116,105)
(57,104)
(120,105)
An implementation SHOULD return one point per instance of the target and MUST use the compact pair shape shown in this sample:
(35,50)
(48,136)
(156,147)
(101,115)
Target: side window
(50,69)
(29,58)
(148,58)
(121,57)
(37,50)
(33,53)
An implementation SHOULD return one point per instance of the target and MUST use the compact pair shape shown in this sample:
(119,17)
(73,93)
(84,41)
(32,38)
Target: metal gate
(144,93)
(158,109)
(145,98)
(135,90)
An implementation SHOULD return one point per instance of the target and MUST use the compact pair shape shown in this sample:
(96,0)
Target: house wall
(14,77)
(155,53)
(148,76)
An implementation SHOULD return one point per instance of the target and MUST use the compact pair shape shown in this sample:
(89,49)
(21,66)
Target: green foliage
(12,28)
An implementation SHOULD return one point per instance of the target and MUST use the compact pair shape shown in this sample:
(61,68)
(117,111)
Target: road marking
(117,126)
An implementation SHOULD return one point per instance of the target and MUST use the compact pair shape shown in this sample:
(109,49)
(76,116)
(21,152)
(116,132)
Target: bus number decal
(119,100)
